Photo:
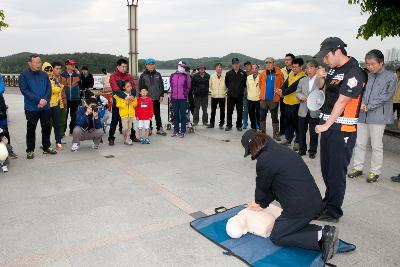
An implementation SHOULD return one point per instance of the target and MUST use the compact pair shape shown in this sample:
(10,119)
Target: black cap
(328,45)
(235,60)
(247,137)
(247,63)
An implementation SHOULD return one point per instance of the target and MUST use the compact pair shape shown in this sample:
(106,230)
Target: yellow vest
(56,89)
(396,97)
(253,88)
(125,110)
(291,99)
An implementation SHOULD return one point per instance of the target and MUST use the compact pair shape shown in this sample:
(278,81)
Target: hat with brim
(247,138)
(150,61)
(330,44)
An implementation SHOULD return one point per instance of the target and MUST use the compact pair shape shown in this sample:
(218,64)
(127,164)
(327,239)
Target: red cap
(70,62)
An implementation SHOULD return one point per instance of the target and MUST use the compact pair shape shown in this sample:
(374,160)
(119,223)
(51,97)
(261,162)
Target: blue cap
(149,61)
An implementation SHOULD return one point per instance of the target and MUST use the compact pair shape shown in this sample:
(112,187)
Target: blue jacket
(87,122)
(2,86)
(35,85)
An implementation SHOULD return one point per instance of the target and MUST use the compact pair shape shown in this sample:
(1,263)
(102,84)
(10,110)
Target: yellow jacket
(125,110)
(56,89)
(217,86)
(396,97)
(253,88)
(291,99)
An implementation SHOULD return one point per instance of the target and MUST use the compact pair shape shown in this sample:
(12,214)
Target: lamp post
(133,43)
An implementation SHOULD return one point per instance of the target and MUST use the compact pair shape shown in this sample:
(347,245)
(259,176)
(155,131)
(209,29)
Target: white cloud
(190,28)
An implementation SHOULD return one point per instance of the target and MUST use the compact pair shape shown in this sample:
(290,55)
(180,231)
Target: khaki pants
(126,125)
(364,133)
(81,135)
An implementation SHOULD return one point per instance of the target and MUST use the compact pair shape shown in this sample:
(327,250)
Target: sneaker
(354,173)
(174,134)
(63,141)
(161,132)
(227,129)
(147,140)
(12,155)
(74,147)
(30,155)
(296,147)
(111,142)
(181,135)
(240,129)
(372,177)
(49,151)
(94,146)
(59,147)
(128,142)
(395,179)
(4,168)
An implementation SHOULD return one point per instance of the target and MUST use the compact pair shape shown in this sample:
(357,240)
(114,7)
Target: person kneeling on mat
(293,186)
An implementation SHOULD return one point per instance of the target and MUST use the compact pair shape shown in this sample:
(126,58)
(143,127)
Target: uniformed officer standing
(283,176)
(343,85)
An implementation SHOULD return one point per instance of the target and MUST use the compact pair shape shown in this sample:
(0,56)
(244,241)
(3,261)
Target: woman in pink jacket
(180,86)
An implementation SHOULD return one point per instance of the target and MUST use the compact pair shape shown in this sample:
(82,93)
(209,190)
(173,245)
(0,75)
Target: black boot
(329,242)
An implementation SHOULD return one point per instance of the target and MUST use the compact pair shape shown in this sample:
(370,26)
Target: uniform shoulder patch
(352,82)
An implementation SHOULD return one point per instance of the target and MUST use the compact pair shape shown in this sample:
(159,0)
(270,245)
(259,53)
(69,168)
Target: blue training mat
(255,250)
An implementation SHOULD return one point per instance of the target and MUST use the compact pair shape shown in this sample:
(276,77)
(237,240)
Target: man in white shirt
(308,119)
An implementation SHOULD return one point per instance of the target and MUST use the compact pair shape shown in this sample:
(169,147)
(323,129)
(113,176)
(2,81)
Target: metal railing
(10,80)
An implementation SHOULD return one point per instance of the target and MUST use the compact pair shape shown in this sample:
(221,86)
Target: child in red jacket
(144,113)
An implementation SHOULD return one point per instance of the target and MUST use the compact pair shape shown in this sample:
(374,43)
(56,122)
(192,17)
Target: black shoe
(239,129)
(111,142)
(221,127)
(120,131)
(302,153)
(135,140)
(228,129)
(210,126)
(395,179)
(329,242)
(311,155)
(12,155)
(327,218)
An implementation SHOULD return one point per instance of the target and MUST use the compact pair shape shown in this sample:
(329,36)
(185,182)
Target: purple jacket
(180,84)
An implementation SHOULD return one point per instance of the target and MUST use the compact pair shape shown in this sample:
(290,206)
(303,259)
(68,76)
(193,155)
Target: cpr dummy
(256,222)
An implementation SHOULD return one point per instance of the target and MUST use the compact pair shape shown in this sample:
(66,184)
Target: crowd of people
(55,96)
(359,103)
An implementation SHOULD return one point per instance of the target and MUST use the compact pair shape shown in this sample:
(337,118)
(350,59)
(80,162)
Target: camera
(94,108)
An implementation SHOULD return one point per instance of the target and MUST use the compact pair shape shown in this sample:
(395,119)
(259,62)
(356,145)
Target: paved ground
(133,209)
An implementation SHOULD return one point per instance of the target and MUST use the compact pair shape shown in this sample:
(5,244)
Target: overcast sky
(170,29)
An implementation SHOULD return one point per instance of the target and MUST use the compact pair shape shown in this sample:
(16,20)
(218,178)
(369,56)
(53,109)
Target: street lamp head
(132,2)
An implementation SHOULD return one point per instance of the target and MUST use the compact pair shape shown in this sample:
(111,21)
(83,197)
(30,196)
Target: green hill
(95,61)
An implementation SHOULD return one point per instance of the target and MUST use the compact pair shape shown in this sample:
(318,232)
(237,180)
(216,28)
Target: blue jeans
(245,112)
(179,107)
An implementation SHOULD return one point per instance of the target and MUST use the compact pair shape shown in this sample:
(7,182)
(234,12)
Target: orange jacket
(277,84)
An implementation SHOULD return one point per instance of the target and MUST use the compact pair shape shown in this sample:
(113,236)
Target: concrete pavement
(131,206)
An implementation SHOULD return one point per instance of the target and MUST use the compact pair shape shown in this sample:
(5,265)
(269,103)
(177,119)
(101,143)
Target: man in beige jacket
(218,95)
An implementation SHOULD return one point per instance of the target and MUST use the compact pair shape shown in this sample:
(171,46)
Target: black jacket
(86,82)
(201,85)
(283,176)
(153,80)
(236,83)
